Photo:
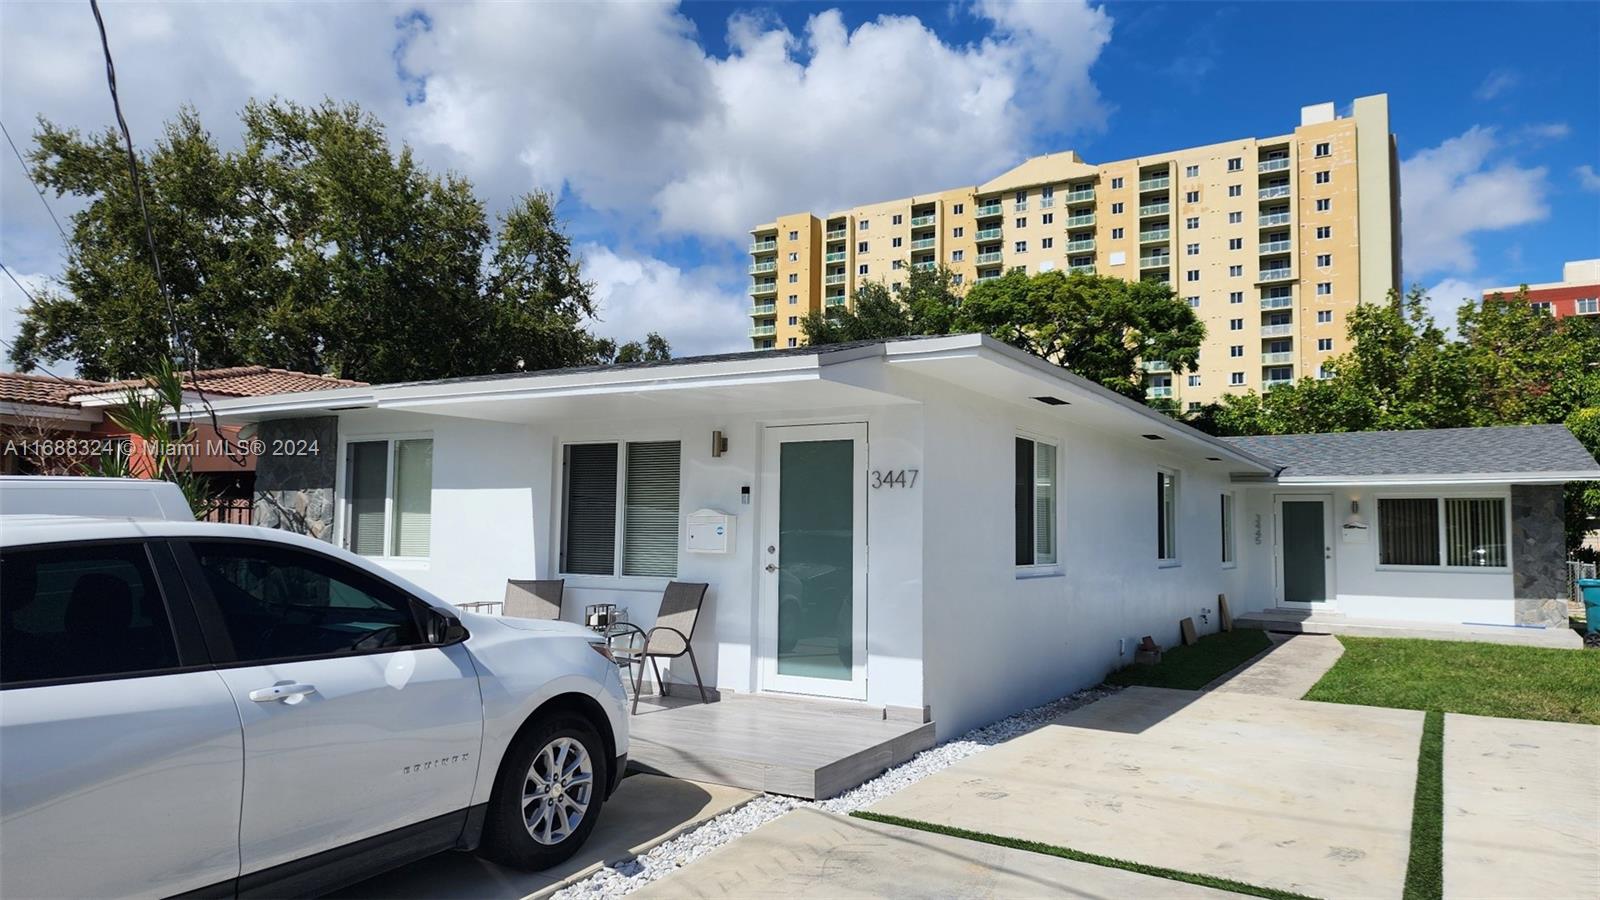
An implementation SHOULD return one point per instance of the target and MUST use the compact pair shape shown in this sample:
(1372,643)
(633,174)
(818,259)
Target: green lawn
(1478,679)
(1425,866)
(1192,668)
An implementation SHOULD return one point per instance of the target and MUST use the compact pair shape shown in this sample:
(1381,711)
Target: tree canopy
(1097,326)
(314,246)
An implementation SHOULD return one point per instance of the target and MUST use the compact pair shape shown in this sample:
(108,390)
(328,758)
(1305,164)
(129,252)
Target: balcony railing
(1155,184)
(1277,330)
(1277,359)
(1273,192)
(1276,246)
(1155,209)
(1081,196)
(1155,234)
(833,279)
(919,221)
(1080,221)
(986,258)
(989,209)
(1273,165)
(763,309)
(763,330)
(1156,365)
(1075,246)
(988,234)
(759,267)
(1086,268)
(763,246)
(834,256)
(833,300)
(1276,302)
(990,277)
(923,243)
(926,266)
(1157,393)
(764,287)
(1284,274)
(1020,206)
(1271,219)
(1155,261)
(837,235)
(1047,202)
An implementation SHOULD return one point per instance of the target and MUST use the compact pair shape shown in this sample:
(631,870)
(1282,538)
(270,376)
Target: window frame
(1443,532)
(342,522)
(558,516)
(1228,525)
(1036,568)
(1165,518)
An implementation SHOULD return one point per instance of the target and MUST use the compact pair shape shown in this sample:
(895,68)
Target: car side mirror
(439,628)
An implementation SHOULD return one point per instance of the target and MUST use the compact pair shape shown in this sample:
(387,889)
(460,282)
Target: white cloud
(1496,83)
(692,309)
(1452,191)
(12,302)
(1446,297)
(1546,131)
(1588,178)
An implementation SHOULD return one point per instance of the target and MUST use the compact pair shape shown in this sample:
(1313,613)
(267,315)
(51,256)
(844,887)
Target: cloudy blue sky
(668,129)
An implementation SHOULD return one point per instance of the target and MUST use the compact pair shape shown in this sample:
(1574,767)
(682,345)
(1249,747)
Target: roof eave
(1440,479)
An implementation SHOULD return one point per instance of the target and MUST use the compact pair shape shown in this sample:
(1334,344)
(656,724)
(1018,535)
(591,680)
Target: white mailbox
(710,531)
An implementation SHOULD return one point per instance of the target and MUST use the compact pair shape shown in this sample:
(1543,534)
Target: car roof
(48,529)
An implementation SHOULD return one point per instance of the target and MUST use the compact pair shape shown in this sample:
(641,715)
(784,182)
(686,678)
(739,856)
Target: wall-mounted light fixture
(1354,520)
(719,443)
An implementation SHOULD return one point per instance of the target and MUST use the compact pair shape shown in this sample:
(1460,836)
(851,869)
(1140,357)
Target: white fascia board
(54,413)
(1442,480)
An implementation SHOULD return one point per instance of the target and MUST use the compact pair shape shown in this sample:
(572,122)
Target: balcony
(1155,261)
(833,300)
(1155,184)
(763,309)
(1277,379)
(1271,219)
(837,235)
(990,277)
(1155,234)
(1277,359)
(764,246)
(1020,206)
(925,266)
(919,221)
(759,267)
(1158,393)
(1283,330)
(1047,202)
(923,243)
(1280,164)
(1156,365)
(831,280)
(1276,246)
(763,330)
(988,209)
(1155,209)
(1081,196)
(1081,220)
(1078,246)
(835,256)
(1286,273)
(1277,302)
(1273,192)
(988,258)
(1085,269)
(764,287)
(988,234)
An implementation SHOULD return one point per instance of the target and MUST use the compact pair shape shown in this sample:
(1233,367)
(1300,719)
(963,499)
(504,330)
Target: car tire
(546,834)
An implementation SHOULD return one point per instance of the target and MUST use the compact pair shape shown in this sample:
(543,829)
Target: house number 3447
(894,478)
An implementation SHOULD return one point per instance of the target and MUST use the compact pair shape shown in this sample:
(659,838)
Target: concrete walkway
(1521,808)
(645,811)
(810,853)
(1321,622)
(1289,669)
(1307,797)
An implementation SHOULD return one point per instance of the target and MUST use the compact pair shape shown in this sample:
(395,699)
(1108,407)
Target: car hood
(543,626)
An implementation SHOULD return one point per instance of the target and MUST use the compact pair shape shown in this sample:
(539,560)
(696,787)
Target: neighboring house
(944,525)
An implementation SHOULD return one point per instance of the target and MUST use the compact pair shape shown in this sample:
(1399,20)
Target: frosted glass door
(815,562)
(1305,551)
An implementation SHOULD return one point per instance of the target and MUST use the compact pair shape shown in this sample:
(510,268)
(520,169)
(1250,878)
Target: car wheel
(547,796)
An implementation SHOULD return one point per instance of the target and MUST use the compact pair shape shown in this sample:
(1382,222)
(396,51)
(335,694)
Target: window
(82,612)
(1116,208)
(1022,222)
(1192,222)
(1047,219)
(862,270)
(861,247)
(794,320)
(1324,204)
(1035,503)
(1194,406)
(957,255)
(1542,306)
(1116,234)
(1235,243)
(1324,260)
(1473,533)
(1235,190)
(388,497)
(1236,296)
(1046,243)
(794,278)
(1324,315)
(1227,529)
(1236,378)
(1235,164)
(1116,183)
(794,342)
(793,299)
(895,242)
(1191,171)
(896,220)
(1324,372)
(1234,218)
(1235,324)
(1323,149)
(862,225)
(1192,249)
(1236,271)
(1191,196)
(1324,288)
(1020,247)
(1324,232)
(280,602)
(1166,516)
(958,209)
(1021,196)
(1586,306)
(1192,275)
(1194,302)
(1324,343)
(1237,350)
(957,232)
(895,264)
(1194,381)
(794,257)
(794,235)
(1323,176)
(956,278)
(646,519)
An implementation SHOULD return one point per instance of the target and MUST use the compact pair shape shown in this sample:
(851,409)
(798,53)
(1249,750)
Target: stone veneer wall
(1539,554)
(294,492)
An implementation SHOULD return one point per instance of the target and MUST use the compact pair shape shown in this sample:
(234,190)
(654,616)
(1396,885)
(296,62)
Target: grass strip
(1192,668)
(1221,884)
(1425,867)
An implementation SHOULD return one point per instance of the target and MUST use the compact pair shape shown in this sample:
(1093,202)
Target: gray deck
(1292,621)
(798,748)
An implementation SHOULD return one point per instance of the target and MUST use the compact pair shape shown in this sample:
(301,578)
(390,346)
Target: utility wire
(36,188)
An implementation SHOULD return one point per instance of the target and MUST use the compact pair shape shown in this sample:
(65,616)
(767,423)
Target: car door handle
(285,692)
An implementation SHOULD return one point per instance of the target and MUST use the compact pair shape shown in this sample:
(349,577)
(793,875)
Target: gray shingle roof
(1508,450)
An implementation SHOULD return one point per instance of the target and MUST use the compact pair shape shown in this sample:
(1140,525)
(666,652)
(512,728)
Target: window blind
(1475,532)
(1408,531)
(413,497)
(1227,528)
(589,539)
(1044,504)
(1024,501)
(650,514)
(369,487)
(1166,511)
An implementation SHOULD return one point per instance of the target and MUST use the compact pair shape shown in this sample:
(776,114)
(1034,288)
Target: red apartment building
(1576,294)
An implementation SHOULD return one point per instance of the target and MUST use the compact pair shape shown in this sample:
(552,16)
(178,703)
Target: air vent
(1052,401)
(1152,437)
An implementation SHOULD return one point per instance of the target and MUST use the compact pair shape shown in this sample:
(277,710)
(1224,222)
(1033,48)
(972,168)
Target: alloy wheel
(557,791)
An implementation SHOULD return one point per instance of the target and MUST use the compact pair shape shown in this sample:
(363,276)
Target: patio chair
(672,635)
(533,599)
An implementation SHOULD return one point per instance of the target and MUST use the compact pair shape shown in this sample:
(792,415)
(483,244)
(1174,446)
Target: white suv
(219,709)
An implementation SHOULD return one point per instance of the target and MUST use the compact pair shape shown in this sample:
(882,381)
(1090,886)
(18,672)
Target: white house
(946,527)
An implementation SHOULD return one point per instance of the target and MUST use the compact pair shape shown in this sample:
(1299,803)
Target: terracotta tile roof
(242,381)
(42,390)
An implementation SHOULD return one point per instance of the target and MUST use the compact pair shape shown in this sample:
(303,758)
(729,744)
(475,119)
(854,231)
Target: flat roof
(1522,453)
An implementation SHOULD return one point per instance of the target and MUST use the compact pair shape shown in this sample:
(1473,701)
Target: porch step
(1295,622)
(802,749)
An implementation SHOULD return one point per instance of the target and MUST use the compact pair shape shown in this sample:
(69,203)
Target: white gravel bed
(685,848)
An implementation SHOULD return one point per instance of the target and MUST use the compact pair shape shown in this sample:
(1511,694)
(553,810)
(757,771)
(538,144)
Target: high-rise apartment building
(1271,240)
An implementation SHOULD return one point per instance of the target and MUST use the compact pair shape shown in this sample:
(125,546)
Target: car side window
(285,603)
(87,611)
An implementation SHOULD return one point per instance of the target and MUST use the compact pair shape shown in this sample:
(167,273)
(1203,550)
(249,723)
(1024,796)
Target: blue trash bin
(1590,589)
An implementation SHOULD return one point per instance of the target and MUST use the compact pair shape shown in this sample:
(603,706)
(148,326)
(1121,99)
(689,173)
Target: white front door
(1303,546)
(812,555)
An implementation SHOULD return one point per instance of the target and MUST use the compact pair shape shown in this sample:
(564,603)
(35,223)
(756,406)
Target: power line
(20,286)
(36,188)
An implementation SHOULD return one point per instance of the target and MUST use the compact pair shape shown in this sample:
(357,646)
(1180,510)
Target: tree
(926,304)
(654,348)
(314,246)
(1583,497)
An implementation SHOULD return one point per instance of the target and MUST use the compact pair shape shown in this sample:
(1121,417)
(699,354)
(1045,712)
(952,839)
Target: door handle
(288,693)
(771,567)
